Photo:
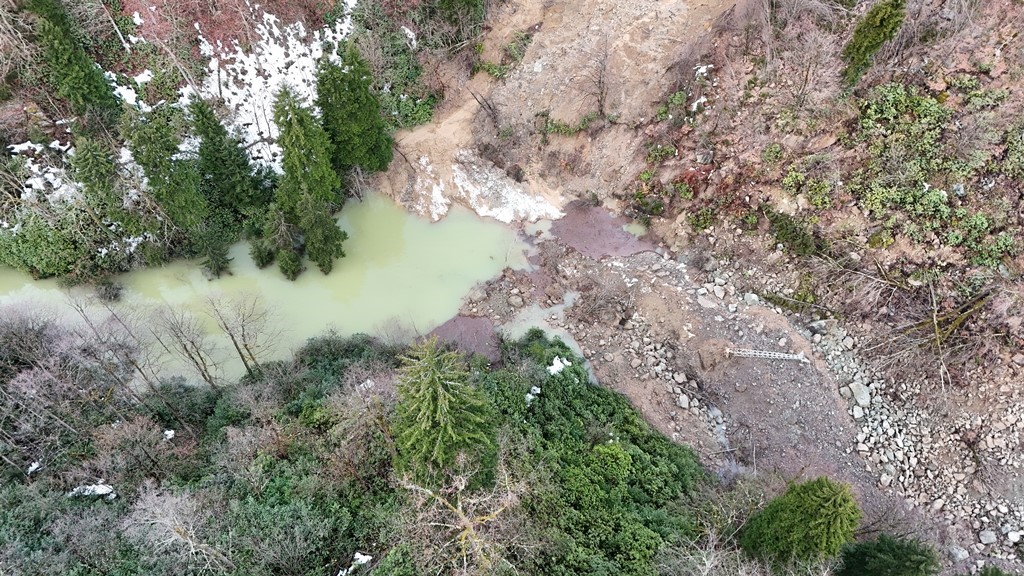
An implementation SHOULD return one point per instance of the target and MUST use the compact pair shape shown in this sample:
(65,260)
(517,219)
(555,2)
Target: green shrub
(810,522)
(702,219)
(397,562)
(794,235)
(1013,160)
(877,27)
(889,556)
(657,153)
(772,154)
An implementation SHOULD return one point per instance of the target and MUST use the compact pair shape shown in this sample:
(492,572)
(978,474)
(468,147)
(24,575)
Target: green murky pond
(403,275)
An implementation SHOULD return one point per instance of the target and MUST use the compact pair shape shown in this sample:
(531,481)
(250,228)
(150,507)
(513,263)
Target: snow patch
(411,36)
(248,81)
(143,77)
(46,178)
(137,19)
(702,71)
(532,394)
(491,193)
(25,147)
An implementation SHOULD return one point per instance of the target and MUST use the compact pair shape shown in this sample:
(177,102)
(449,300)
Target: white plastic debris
(168,435)
(33,468)
(357,560)
(557,365)
(104,490)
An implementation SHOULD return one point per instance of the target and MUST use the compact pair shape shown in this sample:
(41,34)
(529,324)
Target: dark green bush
(810,522)
(75,76)
(877,27)
(889,556)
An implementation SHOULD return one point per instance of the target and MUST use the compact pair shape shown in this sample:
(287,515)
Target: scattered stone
(515,301)
(861,394)
(782,342)
(679,377)
(987,537)
(848,343)
(719,292)
(958,554)
(1013,537)
(705,303)
(715,414)
(938,504)
(609,357)
(750,299)
(858,412)
(683,401)
(635,363)
(476,295)
(1018,359)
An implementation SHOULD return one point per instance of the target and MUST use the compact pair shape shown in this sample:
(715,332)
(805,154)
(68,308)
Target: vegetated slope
(903,187)
(290,470)
(154,154)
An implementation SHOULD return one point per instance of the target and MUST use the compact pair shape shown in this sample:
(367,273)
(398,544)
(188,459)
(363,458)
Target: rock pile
(931,461)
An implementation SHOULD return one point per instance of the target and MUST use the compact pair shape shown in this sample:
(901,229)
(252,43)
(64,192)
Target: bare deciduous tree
(15,49)
(179,332)
(248,324)
(464,532)
(594,80)
(113,342)
(175,525)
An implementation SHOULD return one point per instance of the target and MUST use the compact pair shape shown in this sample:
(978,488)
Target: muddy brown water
(595,233)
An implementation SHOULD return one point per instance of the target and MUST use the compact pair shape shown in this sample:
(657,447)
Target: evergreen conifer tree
(351,113)
(310,190)
(810,522)
(307,156)
(888,556)
(439,414)
(94,168)
(226,176)
(323,237)
(173,181)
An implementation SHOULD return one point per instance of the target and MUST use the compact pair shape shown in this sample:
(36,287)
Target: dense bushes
(292,471)
(810,522)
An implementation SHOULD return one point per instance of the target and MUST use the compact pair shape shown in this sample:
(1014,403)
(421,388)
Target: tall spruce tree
(310,189)
(810,522)
(153,139)
(323,237)
(226,176)
(439,414)
(351,113)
